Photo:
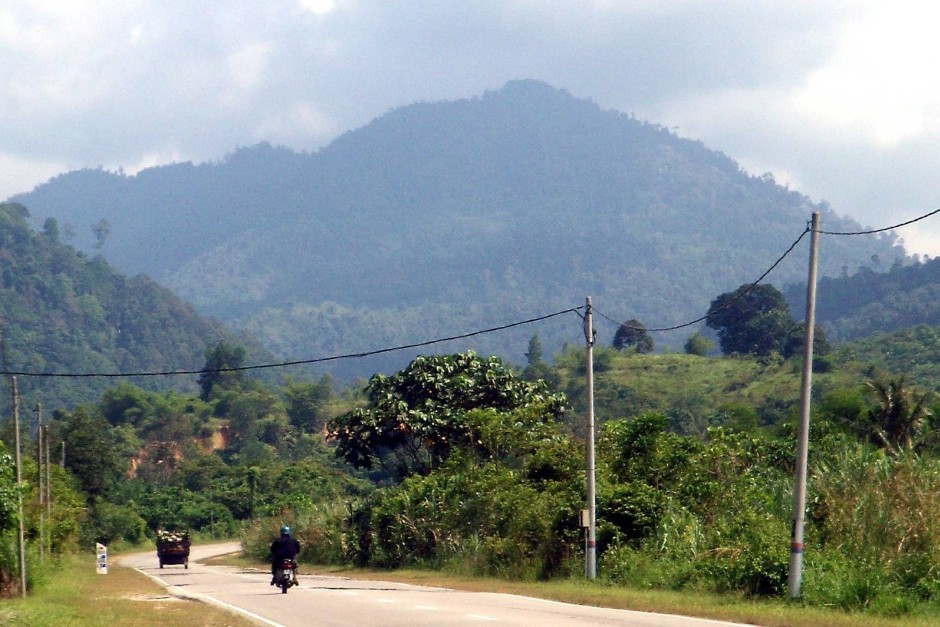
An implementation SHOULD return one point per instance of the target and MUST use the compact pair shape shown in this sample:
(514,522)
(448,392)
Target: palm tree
(900,415)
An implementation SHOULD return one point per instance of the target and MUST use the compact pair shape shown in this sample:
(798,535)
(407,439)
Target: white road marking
(426,607)
(480,617)
(176,590)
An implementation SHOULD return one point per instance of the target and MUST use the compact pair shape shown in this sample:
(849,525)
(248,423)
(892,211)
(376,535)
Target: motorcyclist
(284,547)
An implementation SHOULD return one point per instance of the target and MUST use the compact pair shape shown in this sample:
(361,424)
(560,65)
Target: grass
(770,613)
(75,594)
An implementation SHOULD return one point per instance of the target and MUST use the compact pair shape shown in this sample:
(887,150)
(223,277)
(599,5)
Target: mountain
(442,218)
(63,312)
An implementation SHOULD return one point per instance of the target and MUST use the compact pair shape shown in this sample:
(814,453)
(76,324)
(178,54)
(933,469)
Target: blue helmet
(285,530)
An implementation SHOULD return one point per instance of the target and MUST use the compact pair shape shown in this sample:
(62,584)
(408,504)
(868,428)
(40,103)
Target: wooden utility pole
(802,445)
(590,552)
(19,487)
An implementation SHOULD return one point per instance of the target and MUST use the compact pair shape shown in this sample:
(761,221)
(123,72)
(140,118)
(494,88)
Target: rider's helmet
(285,530)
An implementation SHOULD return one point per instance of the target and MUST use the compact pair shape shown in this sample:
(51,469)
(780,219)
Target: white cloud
(21,174)
(248,65)
(298,126)
(883,82)
(319,7)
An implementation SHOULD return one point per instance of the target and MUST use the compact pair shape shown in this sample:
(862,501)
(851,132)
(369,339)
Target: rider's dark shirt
(284,547)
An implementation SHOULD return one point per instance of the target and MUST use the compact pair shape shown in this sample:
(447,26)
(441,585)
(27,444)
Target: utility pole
(48,491)
(590,553)
(42,489)
(802,445)
(19,487)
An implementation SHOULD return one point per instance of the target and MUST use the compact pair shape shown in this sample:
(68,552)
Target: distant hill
(858,305)
(64,312)
(441,218)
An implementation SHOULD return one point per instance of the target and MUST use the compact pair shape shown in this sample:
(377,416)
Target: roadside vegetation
(74,595)
(465,466)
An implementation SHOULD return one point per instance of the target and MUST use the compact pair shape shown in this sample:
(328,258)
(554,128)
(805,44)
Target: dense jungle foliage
(462,462)
(880,300)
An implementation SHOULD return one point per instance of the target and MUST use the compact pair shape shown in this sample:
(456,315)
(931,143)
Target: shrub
(108,523)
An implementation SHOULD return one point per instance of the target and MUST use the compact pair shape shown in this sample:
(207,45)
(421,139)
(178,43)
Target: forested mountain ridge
(66,313)
(441,218)
(867,302)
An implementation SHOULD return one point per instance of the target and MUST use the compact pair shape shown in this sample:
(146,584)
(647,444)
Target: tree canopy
(633,334)
(753,319)
(416,416)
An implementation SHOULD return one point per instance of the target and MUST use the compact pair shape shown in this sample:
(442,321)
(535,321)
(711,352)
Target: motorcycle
(285,575)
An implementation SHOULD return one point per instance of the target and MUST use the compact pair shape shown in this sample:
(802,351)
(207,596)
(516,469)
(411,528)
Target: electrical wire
(283,364)
(576,310)
(744,293)
(754,284)
(887,228)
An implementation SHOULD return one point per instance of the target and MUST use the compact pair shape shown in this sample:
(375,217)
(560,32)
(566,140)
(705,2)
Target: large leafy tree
(415,417)
(753,319)
(220,369)
(633,334)
(93,452)
(306,403)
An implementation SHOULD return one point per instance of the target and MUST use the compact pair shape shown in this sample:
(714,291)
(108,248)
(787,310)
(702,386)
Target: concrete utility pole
(42,489)
(590,553)
(48,492)
(19,487)
(802,445)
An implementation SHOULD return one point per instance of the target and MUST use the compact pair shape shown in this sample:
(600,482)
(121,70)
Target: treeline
(869,301)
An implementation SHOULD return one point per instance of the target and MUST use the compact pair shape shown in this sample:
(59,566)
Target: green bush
(108,523)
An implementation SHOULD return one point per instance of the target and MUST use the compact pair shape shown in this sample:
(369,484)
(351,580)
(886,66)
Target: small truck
(173,548)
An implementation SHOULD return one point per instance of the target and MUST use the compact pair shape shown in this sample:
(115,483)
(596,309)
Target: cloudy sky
(840,100)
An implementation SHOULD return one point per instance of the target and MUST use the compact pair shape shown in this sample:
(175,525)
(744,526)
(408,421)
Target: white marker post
(102,558)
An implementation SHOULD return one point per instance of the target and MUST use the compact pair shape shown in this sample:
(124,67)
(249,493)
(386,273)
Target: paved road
(337,601)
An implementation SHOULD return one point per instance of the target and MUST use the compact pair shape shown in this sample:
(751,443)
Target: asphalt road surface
(337,601)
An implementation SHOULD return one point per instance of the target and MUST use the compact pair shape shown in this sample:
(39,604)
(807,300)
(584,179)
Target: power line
(744,293)
(789,250)
(380,351)
(283,364)
(887,228)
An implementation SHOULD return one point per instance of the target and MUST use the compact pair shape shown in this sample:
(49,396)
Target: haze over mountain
(442,218)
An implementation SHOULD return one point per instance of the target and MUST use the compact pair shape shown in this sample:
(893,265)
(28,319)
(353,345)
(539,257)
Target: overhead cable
(283,364)
(744,293)
(887,228)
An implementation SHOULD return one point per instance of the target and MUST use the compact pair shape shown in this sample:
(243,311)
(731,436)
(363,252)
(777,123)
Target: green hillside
(912,351)
(65,312)
(700,392)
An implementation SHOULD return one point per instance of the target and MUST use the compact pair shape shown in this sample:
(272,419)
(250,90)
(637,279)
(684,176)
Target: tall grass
(875,515)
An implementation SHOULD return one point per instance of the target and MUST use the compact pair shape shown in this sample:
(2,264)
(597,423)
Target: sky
(839,100)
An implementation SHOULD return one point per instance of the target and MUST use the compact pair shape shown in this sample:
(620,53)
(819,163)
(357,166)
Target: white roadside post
(102,565)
